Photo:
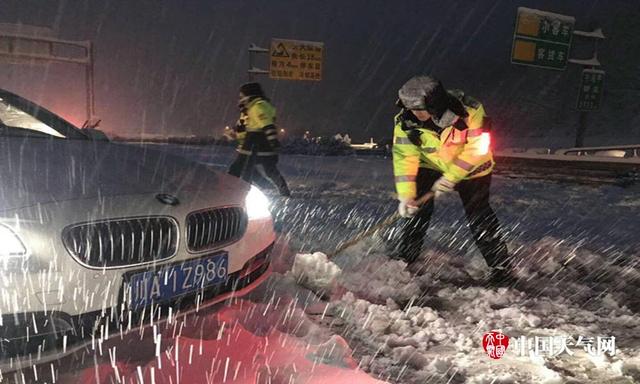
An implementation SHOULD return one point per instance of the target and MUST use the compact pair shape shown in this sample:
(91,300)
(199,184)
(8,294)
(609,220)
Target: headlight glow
(257,204)
(10,244)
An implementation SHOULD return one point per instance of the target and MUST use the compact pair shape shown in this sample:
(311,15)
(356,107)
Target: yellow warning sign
(296,60)
(524,50)
(528,24)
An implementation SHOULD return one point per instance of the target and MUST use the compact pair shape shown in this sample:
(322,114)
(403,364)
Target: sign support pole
(249,73)
(588,65)
(90,83)
(582,128)
(253,50)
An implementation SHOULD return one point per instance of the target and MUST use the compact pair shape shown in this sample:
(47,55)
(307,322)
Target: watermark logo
(553,346)
(495,344)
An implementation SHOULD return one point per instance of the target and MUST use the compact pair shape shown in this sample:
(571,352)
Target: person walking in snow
(441,143)
(257,138)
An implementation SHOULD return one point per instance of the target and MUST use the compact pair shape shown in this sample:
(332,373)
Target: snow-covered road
(577,249)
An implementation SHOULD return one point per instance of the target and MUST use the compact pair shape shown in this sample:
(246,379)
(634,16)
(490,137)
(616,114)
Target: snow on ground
(242,343)
(315,271)
(428,328)
(577,252)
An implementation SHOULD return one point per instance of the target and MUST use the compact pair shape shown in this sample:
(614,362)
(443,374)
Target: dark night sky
(173,67)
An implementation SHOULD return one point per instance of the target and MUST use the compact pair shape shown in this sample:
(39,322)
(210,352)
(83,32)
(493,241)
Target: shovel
(385,223)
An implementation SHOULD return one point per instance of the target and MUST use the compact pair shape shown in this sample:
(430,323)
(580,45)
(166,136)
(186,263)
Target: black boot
(404,248)
(502,277)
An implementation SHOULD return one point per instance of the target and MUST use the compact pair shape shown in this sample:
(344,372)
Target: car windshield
(19,117)
(14,119)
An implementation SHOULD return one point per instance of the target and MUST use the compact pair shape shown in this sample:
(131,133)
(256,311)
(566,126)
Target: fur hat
(252,89)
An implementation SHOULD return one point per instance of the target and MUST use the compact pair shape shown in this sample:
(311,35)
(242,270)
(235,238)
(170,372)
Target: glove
(407,207)
(442,186)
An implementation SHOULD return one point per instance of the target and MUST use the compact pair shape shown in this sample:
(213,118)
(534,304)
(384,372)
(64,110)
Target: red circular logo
(495,344)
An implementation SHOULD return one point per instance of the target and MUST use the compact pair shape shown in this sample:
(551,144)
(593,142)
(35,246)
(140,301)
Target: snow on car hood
(35,170)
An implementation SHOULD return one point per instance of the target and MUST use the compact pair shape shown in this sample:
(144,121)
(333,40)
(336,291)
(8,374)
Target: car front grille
(117,243)
(216,227)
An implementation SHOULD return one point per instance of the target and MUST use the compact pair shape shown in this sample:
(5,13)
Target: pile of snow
(415,343)
(409,326)
(315,271)
(377,279)
(403,344)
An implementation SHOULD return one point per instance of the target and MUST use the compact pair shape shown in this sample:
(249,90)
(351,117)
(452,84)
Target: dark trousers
(261,170)
(482,220)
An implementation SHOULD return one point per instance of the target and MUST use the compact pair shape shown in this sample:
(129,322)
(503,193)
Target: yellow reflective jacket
(255,129)
(459,152)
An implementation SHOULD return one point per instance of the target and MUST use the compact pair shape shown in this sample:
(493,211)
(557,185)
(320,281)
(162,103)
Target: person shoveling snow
(441,143)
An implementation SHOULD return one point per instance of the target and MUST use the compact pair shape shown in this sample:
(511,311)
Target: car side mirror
(95,134)
(90,128)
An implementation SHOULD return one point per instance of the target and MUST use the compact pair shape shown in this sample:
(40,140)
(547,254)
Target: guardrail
(624,151)
(618,165)
(604,151)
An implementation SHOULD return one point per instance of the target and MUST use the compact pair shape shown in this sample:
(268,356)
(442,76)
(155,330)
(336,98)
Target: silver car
(95,233)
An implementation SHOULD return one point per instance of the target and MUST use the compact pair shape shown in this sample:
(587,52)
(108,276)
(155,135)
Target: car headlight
(10,243)
(257,204)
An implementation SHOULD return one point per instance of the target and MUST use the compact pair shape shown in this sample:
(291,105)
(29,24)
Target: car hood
(39,170)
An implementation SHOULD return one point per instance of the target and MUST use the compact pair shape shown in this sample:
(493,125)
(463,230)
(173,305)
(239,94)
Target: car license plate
(176,280)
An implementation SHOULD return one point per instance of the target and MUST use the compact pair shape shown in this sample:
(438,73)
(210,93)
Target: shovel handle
(422,200)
